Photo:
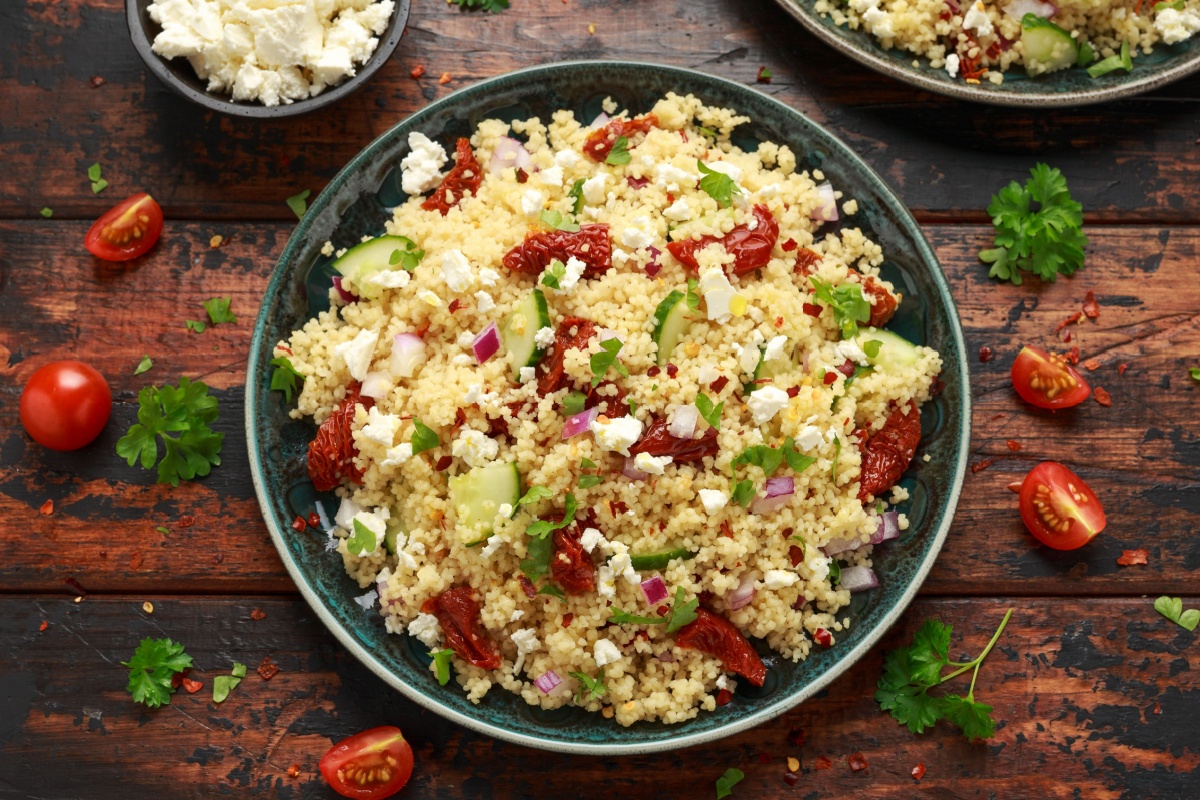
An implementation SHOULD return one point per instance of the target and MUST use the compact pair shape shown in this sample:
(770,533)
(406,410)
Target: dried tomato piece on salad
(553,375)
(331,454)
(457,611)
(600,141)
(610,405)
(750,247)
(658,441)
(716,636)
(888,452)
(571,566)
(883,302)
(465,176)
(806,260)
(590,244)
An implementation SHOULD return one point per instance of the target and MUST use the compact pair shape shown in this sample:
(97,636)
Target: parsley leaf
(47,212)
(743,492)
(362,541)
(760,455)
(589,688)
(298,203)
(1195,373)
(871,348)
(794,458)
(218,310)
(709,132)
(224,684)
(620,153)
(188,411)
(693,296)
(1113,63)
(538,562)
(574,403)
(423,437)
(620,617)
(1172,609)
(837,456)
(98,183)
(552,591)
(588,481)
(682,613)
(726,782)
(409,257)
(1038,228)
(602,361)
(441,660)
(542,527)
(153,665)
(848,304)
(284,377)
(576,194)
(835,572)
(481,5)
(717,185)
(534,494)
(144,365)
(554,273)
(909,673)
(556,220)
(710,413)
(194,325)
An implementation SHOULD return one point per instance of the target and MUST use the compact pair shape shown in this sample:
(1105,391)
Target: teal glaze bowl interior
(1071,87)
(357,202)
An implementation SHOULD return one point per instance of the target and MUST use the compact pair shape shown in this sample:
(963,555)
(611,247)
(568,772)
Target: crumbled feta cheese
(531,202)
(775,348)
(357,353)
(462,359)
(809,437)
(398,455)
(429,298)
(593,189)
(679,211)
(653,465)
(591,538)
(526,641)
(708,373)
(725,168)
(489,549)
(768,191)
(566,158)
(552,176)
(616,435)
(713,500)
(671,178)
(724,683)
(606,582)
(488,276)
(749,354)
(879,23)
(849,349)
(952,62)
(619,255)
(976,19)
(465,339)
(381,428)
(1176,26)
(779,579)
(516,614)
(505,510)
(346,512)
(718,294)
(367,601)
(765,402)
(528,374)
(484,302)
(621,563)
(456,271)
(375,523)
(390,279)
(426,629)
(544,337)
(605,653)
(574,271)
(474,447)
(421,169)
(475,394)
(638,234)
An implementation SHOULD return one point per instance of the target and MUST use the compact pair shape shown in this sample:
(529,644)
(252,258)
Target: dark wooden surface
(1097,692)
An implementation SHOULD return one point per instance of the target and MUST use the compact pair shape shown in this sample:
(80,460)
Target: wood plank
(1097,699)
(1142,455)
(1128,160)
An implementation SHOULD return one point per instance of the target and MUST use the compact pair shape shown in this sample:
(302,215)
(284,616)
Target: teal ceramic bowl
(357,203)
(1072,87)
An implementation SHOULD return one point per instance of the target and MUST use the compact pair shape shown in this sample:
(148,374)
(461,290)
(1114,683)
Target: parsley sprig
(1172,609)
(910,672)
(711,413)
(607,358)
(619,154)
(683,612)
(576,194)
(727,781)
(154,664)
(848,304)
(284,377)
(188,411)
(408,258)
(554,273)
(423,437)
(717,185)
(1038,228)
(542,527)
(556,220)
(441,661)
(589,688)
(481,5)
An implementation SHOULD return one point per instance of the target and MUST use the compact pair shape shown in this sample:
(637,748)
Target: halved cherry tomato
(65,405)
(126,230)
(370,765)
(1058,508)
(1046,380)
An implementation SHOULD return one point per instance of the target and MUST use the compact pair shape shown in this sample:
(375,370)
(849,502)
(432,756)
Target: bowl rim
(902,71)
(226,105)
(254,377)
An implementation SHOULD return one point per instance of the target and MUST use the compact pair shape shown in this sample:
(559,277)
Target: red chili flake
(1157,708)
(74,584)
(267,668)
(653,371)
(639,183)
(1071,320)
(421,331)
(186,521)
(823,637)
(218,558)
(789,245)
(726,529)
(1073,355)
(779,322)
(1065,336)
(672,370)
(1092,364)
(847,368)
(177,679)
(446,78)
(723,697)
(135,560)
(417,71)
(1129,558)
(47,508)
(522,175)
(298,524)
(792,391)
(811,309)
(293,771)
(791,778)
(455,305)
(567,620)
(980,466)
(670,197)
(764,758)
(1013,445)
(443,463)
(830,377)
(1090,307)
(857,762)
(1102,396)
(763,76)
(985,354)
(43,626)
(796,555)
(823,763)
(1121,368)
(918,771)
(314,520)
(795,737)
(97,81)
(719,384)
(191,686)
(258,614)
(527,586)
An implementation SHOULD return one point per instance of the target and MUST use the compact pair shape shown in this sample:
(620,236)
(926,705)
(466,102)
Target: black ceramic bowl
(180,78)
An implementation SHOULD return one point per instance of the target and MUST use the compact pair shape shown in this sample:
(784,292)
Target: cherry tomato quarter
(65,405)
(1046,380)
(370,765)
(127,230)
(1058,508)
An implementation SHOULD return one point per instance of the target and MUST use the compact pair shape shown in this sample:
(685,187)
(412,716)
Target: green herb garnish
(552,591)
(542,527)
(534,494)
(743,492)
(218,310)
(481,5)
(284,377)
(1172,609)
(1113,63)
(709,132)
(298,203)
(556,220)
(1195,373)
(423,437)
(195,325)
(848,304)
(717,185)
(619,154)
(693,296)
(188,411)
(154,664)
(409,257)
(574,403)
(710,413)
(726,782)
(224,684)
(683,612)
(835,572)
(576,194)
(554,273)
(837,456)
(362,541)
(608,358)
(760,455)
(98,183)
(871,348)
(538,562)
(589,688)
(47,212)
(144,365)
(441,662)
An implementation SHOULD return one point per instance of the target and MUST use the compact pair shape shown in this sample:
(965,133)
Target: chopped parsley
(589,688)
(848,304)
(693,296)
(835,572)
(588,481)
(224,684)
(632,408)
(362,541)
(423,437)
(47,212)
(1172,609)
(709,132)
(1113,63)
(552,591)
(163,530)
(619,154)
(481,5)
(534,494)
(717,185)
(764,75)
(871,348)
(284,377)
(554,273)
(154,664)
(188,411)
(710,413)
(574,403)
(1038,228)
(683,612)
(98,183)
(837,456)
(910,672)
(760,455)
(409,257)
(743,492)
(144,365)
(298,203)
(608,358)
(441,662)
(556,220)
(576,194)
(1195,373)
(542,527)
(1178,5)
(538,562)
(195,325)
(218,310)
(726,782)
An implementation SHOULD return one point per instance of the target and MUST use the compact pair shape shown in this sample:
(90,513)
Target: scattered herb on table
(848,304)
(608,358)
(162,411)
(764,75)
(218,310)
(98,183)
(481,5)
(726,782)
(423,437)
(154,664)
(224,684)
(195,325)
(589,688)
(717,185)
(619,154)
(1172,609)
(298,203)
(47,212)
(1195,373)
(284,377)
(441,661)
(144,365)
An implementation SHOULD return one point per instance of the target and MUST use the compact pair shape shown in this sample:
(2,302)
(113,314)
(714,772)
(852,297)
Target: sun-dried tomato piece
(1102,396)
(191,686)
(1129,558)
(716,636)
(883,302)
(590,244)
(796,555)
(857,762)
(720,383)
(658,441)
(527,586)
(600,141)
(1091,309)
(571,566)
(751,249)
(331,454)
(805,261)
(888,452)
(267,668)
(812,309)
(918,771)
(553,374)
(611,405)
(457,610)
(724,697)
(465,176)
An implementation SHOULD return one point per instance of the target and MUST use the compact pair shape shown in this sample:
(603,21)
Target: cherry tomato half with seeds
(127,230)
(65,405)
(1046,380)
(1058,508)
(370,765)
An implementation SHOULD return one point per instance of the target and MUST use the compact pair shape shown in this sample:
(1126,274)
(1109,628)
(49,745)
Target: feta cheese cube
(381,428)
(421,169)
(591,538)
(653,465)
(713,500)
(528,374)
(605,653)
(616,435)
(488,276)
(398,455)
(456,271)
(484,302)
(544,337)
(429,298)
(593,189)
(952,63)
(679,211)
(849,349)
(474,447)
(638,234)
(566,158)
(426,629)
(765,402)
(552,176)
(809,437)
(357,353)
(718,294)
(775,348)
(531,202)
(776,579)
(574,271)
(390,279)
(976,19)
(526,641)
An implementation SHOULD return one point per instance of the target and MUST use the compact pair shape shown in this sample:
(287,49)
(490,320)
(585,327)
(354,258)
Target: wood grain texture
(1128,160)
(1097,699)
(1142,455)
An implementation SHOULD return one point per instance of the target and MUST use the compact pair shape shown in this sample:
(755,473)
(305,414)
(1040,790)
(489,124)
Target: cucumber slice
(670,323)
(394,528)
(1048,48)
(519,329)
(895,352)
(361,262)
(659,559)
(476,497)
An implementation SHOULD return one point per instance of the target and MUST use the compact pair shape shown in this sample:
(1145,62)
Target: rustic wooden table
(1098,694)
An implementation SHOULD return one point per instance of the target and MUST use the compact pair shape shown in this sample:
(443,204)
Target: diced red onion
(346,295)
(376,385)
(683,422)
(653,267)
(637,183)
(742,595)
(889,527)
(548,681)
(509,153)
(601,119)
(1017,9)
(841,546)
(632,472)
(408,353)
(779,494)
(826,209)
(667,657)
(580,423)
(858,579)
(953,6)
(604,334)
(655,590)
(823,637)
(487,343)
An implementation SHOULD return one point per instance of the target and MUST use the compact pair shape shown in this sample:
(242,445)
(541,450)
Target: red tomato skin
(374,745)
(103,241)
(65,405)
(718,637)
(1066,388)
(1065,496)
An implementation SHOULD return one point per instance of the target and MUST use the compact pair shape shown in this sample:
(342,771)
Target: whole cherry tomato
(65,405)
